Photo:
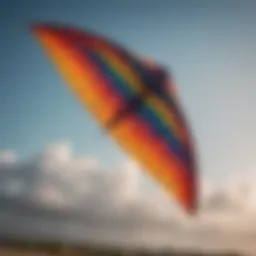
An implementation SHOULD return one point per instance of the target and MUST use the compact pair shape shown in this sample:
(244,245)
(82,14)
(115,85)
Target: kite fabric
(133,99)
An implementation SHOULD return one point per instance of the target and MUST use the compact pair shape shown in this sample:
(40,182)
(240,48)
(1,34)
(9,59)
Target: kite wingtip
(191,208)
(40,26)
(192,211)
(36,27)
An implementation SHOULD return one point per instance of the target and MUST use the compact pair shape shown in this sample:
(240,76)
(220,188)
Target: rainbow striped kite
(133,99)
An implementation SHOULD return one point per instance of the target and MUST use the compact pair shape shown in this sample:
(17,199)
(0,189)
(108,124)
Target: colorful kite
(133,99)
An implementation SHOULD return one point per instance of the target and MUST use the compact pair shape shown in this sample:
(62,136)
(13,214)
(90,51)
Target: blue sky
(208,45)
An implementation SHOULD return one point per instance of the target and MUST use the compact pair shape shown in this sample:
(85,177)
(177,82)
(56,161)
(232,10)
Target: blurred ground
(21,248)
(14,252)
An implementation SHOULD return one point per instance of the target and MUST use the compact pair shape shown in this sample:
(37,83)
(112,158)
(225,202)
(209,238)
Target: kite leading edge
(133,99)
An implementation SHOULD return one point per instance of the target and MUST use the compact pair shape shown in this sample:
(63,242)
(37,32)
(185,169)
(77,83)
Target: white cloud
(7,157)
(60,195)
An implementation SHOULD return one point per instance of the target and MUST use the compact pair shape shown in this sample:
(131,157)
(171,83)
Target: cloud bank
(57,195)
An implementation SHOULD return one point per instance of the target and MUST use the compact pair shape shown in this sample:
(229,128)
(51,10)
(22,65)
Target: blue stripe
(146,113)
(146,78)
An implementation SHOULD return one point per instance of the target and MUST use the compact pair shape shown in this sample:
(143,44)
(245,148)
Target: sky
(209,46)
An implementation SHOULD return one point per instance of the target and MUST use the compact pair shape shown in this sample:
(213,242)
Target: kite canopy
(133,99)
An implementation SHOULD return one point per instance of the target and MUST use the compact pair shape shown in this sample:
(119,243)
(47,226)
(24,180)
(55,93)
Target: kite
(133,99)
